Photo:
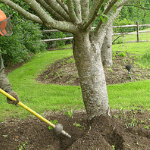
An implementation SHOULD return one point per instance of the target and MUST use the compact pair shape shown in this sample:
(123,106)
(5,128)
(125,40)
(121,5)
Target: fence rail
(123,26)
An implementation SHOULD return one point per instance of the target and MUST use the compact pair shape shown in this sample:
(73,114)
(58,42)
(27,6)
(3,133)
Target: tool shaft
(33,112)
(27,108)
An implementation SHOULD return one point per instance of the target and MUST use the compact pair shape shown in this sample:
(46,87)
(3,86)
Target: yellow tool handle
(27,108)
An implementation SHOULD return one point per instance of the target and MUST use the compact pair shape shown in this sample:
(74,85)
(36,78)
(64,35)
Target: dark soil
(125,130)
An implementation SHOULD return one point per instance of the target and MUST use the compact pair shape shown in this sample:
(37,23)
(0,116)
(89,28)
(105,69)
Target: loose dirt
(125,130)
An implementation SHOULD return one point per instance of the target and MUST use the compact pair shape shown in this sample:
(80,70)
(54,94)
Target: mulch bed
(64,71)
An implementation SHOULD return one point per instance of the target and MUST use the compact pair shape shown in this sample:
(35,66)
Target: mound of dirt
(124,131)
(64,72)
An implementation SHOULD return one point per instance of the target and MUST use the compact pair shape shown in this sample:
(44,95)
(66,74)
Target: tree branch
(71,11)
(39,11)
(49,21)
(104,25)
(50,10)
(43,17)
(93,12)
(110,5)
(25,13)
(56,7)
(62,4)
(64,26)
(84,9)
(78,9)
(108,9)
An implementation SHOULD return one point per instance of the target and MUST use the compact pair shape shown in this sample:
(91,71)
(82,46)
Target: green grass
(133,48)
(37,96)
(46,97)
(130,95)
(144,62)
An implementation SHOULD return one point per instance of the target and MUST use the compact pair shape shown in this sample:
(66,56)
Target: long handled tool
(58,128)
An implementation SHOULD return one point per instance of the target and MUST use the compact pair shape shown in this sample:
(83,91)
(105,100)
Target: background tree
(133,11)
(106,51)
(76,17)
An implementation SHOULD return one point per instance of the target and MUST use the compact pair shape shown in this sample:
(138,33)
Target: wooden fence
(138,32)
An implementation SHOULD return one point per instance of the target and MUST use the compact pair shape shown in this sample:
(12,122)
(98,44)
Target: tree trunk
(107,44)
(92,79)
(107,47)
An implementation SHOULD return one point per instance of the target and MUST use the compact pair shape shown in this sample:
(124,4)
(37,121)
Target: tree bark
(92,79)
(107,44)
(107,47)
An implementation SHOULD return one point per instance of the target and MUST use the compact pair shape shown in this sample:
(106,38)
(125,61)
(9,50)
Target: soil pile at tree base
(126,130)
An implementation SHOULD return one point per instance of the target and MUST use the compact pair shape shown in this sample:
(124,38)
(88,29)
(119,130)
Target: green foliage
(69,113)
(133,123)
(110,69)
(13,49)
(26,38)
(24,42)
(55,35)
(146,127)
(131,14)
(32,37)
(23,145)
(136,13)
(78,125)
(54,122)
(113,147)
(122,54)
(120,22)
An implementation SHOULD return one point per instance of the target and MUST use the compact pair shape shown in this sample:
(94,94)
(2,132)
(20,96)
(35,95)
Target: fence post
(137,23)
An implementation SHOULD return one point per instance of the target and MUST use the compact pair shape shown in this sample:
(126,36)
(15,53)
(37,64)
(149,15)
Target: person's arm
(4,82)
(5,85)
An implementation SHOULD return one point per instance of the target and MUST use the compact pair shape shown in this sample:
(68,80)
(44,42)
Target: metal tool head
(59,129)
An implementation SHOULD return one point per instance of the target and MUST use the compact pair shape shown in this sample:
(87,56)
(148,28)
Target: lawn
(49,97)
(133,48)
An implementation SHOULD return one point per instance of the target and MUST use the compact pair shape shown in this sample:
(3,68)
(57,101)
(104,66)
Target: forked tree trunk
(92,79)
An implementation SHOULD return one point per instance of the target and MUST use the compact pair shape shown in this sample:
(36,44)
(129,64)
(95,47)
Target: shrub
(13,50)
(55,35)
(32,37)
(26,40)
